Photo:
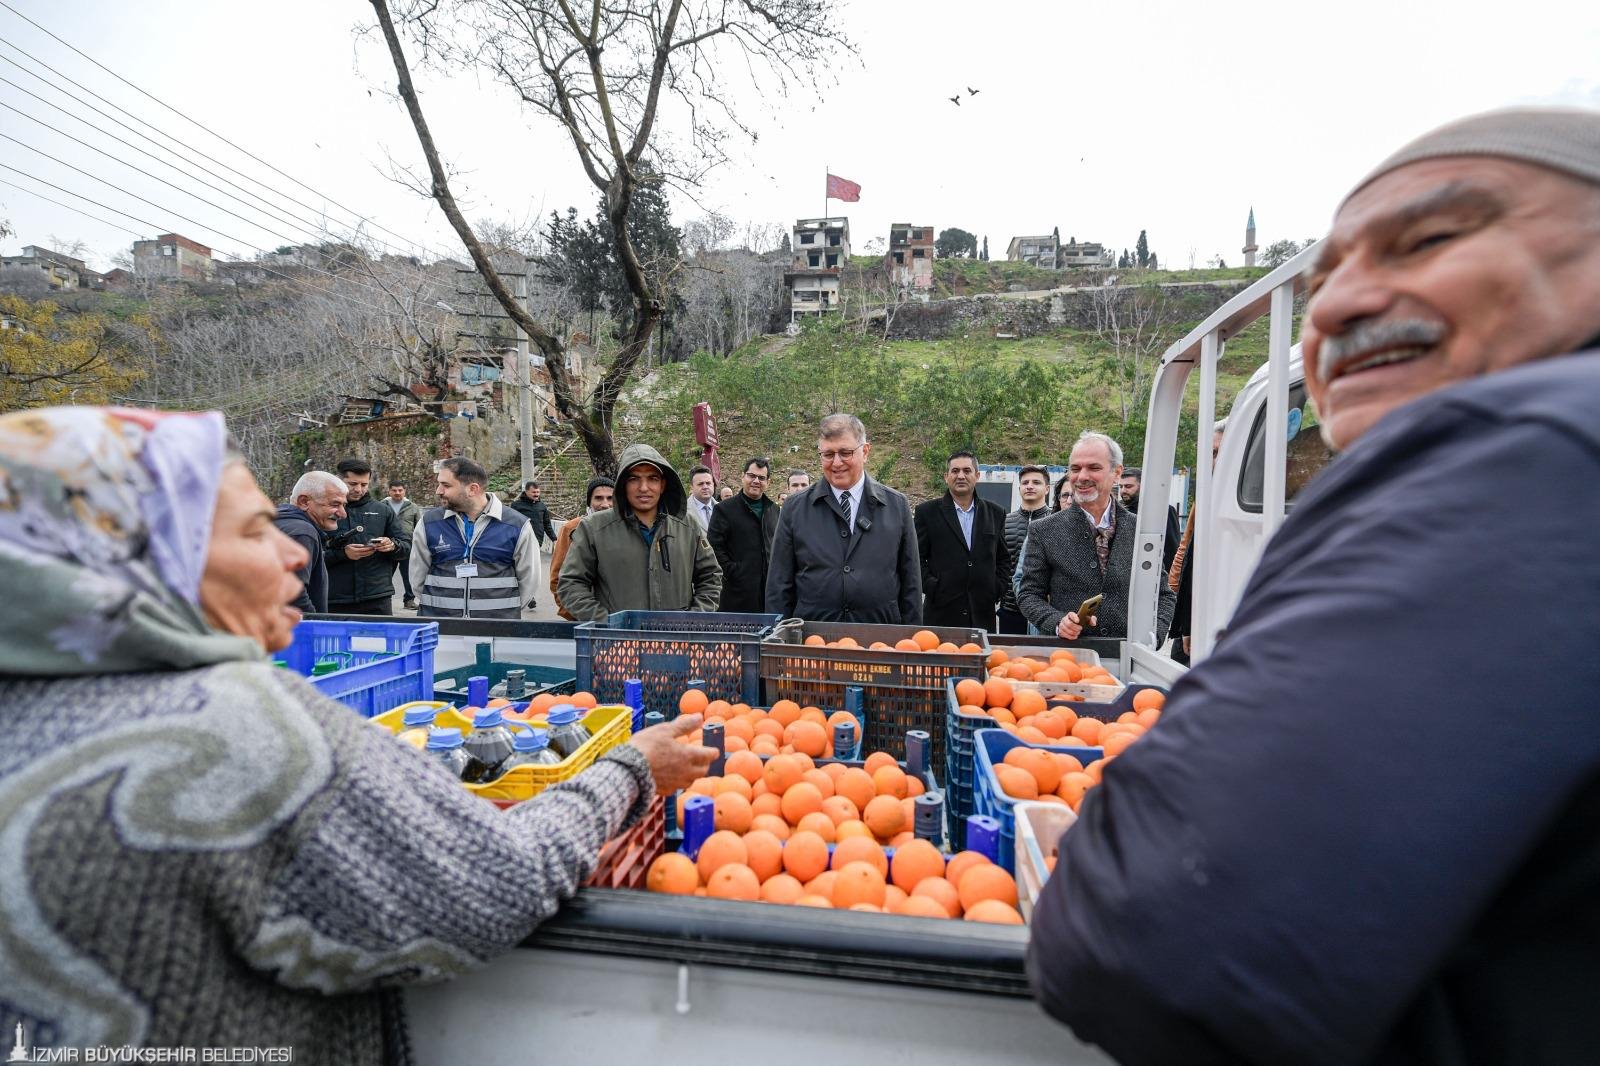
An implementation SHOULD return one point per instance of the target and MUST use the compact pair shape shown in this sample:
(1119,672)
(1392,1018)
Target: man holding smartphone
(365,547)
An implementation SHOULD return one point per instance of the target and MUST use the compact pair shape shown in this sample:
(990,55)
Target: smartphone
(1087,608)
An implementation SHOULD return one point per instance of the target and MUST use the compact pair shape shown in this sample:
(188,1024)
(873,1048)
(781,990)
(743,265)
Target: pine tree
(1153,262)
(985,249)
(1142,251)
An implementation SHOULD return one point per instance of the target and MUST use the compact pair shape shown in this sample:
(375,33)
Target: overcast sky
(1102,119)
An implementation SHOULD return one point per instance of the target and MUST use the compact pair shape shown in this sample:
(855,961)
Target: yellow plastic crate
(608,727)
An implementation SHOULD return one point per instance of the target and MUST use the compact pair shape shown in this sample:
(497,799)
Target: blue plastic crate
(382,664)
(988,752)
(668,649)
(451,685)
(959,744)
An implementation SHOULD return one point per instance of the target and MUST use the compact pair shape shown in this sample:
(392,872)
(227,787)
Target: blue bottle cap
(420,716)
(444,739)
(488,718)
(530,740)
(563,714)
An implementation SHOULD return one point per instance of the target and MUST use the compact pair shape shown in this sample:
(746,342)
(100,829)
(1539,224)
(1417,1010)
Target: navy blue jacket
(298,527)
(1367,829)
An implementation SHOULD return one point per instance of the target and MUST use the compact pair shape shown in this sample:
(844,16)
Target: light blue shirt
(965,518)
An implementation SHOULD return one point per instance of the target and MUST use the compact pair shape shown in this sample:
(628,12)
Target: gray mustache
(1368,337)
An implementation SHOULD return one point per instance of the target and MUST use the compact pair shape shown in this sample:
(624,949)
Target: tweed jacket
(1061,569)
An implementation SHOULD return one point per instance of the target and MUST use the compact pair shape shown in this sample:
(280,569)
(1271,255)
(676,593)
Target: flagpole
(825,173)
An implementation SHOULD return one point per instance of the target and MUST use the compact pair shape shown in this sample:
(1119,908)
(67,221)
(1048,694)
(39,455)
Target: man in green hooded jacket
(645,554)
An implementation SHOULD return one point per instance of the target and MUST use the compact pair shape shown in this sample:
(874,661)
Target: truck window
(1306,454)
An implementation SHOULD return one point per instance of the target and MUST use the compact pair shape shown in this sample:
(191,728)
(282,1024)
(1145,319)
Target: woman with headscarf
(196,847)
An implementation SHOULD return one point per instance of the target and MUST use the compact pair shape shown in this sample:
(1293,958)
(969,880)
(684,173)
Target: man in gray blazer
(846,547)
(1085,550)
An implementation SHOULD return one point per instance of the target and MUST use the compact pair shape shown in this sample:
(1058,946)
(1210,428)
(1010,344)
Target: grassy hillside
(1011,401)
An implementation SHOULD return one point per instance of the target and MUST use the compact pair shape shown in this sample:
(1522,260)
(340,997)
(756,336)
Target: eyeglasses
(757,477)
(843,454)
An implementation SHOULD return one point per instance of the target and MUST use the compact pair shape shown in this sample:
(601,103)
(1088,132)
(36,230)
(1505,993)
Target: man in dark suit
(961,542)
(846,547)
(741,532)
(1086,550)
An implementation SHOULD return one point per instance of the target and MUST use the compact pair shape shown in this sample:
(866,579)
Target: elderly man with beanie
(600,495)
(645,554)
(1365,829)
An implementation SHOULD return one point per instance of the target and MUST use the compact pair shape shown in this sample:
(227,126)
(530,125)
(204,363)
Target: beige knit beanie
(1561,138)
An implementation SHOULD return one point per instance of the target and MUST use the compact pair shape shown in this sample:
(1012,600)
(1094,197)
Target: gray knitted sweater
(223,857)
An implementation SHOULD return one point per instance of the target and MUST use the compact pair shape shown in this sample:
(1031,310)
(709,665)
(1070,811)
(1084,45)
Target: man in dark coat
(315,506)
(1344,842)
(361,571)
(846,547)
(530,505)
(741,532)
(961,541)
(1132,481)
(1086,550)
(1033,485)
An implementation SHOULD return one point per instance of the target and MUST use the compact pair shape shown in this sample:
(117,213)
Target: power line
(69,207)
(201,125)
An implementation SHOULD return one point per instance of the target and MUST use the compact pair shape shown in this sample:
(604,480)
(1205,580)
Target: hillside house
(909,259)
(821,249)
(1042,251)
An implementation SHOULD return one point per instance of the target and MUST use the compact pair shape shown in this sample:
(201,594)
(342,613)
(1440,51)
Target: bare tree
(1129,321)
(601,70)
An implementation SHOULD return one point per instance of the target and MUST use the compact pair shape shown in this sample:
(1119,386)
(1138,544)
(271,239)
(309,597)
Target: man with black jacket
(530,505)
(741,532)
(363,548)
(315,506)
(961,544)
(1033,484)
(1131,484)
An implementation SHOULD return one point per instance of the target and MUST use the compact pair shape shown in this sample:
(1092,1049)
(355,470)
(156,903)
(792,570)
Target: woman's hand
(674,765)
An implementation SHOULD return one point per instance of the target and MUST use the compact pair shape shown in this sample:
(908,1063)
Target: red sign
(705,434)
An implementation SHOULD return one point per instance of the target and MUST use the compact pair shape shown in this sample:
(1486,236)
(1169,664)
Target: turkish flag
(843,189)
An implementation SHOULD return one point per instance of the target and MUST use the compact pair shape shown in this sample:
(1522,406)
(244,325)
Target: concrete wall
(1030,317)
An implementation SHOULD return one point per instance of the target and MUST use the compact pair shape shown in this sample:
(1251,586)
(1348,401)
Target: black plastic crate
(668,649)
(903,690)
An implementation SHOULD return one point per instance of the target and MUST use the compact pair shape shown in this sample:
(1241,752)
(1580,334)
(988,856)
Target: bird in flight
(956,100)
(973,92)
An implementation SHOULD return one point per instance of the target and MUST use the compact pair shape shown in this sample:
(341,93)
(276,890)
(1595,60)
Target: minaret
(1249,248)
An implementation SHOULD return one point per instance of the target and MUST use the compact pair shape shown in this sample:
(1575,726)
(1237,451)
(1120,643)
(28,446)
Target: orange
(814,901)
(1095,769)
(1088,730)
(847,642)
(769,728)
(720,849)
(1149,717)
(735,784)
(733,812)
(840,809)
(992,910)
(1016,782)
(893,899)
(1117,744)
(858,882)
(815,641)
(718,709)
(785,712)
(879,645)
(781,888)
(946,648)
(860,849)
(973,709)
(1041,764)
(806,762)
(800,800)
(833,770)
(960,863)
(855,785)
(731,744)
(890,781)
(941,892)
(822,884)
(693,701)
(734,881)
(1068,763)
(807,737)
(739,729)
(914,787)
(1073,786)
(674,874)
(986,881)
(1030,734)
(877,759)
(820,824)
(869,908)
(1019,670)
(813,714)
(541,704)
(997,658)
(884,816)
(969,690)
(971,649)
(907,644)
(771,823)
(584,701)
(926,640)
(922,907)
(1025,701)
(765,853)
(820,779)
(767,804)
(764,746)
(852,827)
(843,716)
(901,839)
(997,692)
(805,855)
(908,807)
(914,862)
(1003,716)
(782,773)
(1054,724)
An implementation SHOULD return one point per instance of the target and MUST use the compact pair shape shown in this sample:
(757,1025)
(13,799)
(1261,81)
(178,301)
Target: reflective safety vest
(493,592)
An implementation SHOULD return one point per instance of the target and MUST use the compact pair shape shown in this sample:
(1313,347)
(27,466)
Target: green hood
(674,500)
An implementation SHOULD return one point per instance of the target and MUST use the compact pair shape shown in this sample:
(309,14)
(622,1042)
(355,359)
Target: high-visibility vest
(493,593)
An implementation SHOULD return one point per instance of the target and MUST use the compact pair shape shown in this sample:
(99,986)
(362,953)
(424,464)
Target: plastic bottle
(490,741)
(415,726)
(531,747)
(446,746)
(567,734)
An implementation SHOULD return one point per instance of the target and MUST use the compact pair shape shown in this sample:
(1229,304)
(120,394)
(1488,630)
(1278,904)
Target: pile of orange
(787,728)
(921,640)
(1061,668)
(1054,776)
(540,705)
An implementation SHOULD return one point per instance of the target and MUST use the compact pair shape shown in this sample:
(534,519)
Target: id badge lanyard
(468,570)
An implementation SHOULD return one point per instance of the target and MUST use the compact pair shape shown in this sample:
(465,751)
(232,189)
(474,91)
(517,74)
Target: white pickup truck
(626,977)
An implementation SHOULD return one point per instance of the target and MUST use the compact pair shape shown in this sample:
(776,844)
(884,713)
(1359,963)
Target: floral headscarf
(105,521)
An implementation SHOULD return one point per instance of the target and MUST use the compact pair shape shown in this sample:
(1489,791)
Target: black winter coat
(743,544)
(824,573)
(960,587)
(1017,525)
(538,515)
(298,527)
(371,578)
